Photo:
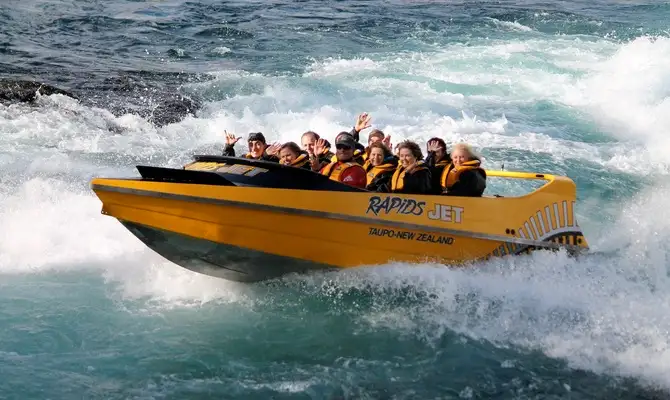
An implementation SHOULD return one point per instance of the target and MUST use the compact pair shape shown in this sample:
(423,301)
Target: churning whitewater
(573,88)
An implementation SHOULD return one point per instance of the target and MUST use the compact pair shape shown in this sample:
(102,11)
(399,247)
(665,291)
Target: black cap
(256,136)
(346,140)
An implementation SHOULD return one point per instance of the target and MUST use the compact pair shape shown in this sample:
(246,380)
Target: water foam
(515,26)
(621,88)
(62,125)
(605,312)
(52,226)
(628,94)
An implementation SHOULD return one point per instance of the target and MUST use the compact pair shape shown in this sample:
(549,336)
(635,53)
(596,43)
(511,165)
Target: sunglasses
(343,147)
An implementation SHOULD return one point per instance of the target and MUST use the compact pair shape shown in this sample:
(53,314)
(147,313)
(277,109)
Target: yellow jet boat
(248,220)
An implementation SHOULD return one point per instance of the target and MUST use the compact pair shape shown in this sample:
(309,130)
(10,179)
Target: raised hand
(319,146)
(433,145)
(273,149)
(230,138)
(362,122)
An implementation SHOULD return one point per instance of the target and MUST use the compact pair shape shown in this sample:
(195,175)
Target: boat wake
(605,312)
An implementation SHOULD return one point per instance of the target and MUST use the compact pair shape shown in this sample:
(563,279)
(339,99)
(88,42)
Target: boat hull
(255,233)
(220,260)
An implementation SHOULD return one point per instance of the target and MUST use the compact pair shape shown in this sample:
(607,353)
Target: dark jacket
(382,180)
(469,182)
(436,170)
(416,182)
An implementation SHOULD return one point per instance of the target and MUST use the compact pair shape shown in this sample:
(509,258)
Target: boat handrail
(557,184)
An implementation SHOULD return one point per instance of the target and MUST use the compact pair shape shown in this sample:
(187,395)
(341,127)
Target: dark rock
(154,96)
(26,91)
(174,110)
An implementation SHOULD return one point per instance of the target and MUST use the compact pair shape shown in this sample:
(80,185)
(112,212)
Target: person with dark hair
(344,169)
(258,147)
(437,159)
(359,149)
(412,175)
(380,166)
(291,154)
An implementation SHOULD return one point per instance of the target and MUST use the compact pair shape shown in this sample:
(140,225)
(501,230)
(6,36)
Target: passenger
(380,166)
(375,136)
(359,151)
(308,141)
(363,122)
(291,154)
(412,175)
(437,159)
(344,169)
(258,147)
(464,176)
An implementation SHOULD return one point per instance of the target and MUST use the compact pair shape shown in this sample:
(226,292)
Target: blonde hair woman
(464,176)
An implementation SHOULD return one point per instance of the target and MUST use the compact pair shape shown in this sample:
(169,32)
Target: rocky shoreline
(159,103)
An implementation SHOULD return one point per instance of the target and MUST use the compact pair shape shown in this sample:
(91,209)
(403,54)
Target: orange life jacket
(300,161)
(451,174)
(372,172)
(398,179)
